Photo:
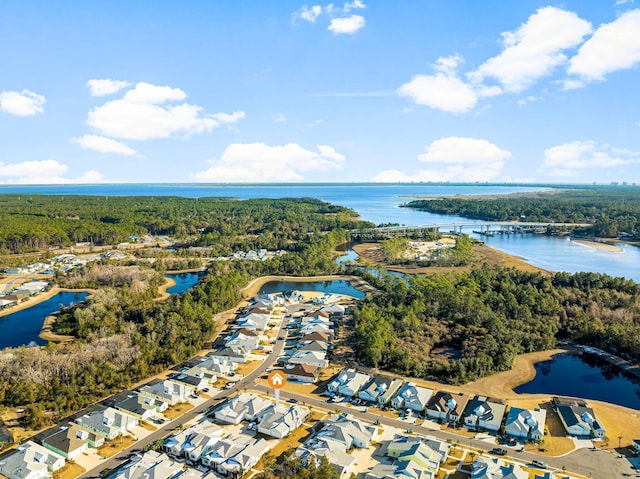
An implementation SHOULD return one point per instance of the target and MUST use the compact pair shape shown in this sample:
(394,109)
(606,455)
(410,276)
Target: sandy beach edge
(598,246)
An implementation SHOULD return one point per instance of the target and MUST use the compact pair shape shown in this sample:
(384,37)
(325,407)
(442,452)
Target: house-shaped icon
(277,379)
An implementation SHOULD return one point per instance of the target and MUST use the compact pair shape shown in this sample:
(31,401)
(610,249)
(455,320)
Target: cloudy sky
(287,91)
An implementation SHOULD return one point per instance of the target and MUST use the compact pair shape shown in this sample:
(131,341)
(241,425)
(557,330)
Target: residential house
(447,406)
(526,423)
(253,322)
(485,412)
(427,451)
(314,358)
(197,382)
(348,431)
(243,461)
(243,338)
(347,383)
(139,406)
(317,336)
(414,457)
(30,461)
(212,367)
(316,448)
(235,354)
(279,421)
(411,396)
(293,297)
(167,391)
(244,406)
(303,373)
(379,390)
(488,468)
(150,465)
(4,302)
(107,422)
(578,418)
(193,442)
(338,434)
(636,444)
(67,440)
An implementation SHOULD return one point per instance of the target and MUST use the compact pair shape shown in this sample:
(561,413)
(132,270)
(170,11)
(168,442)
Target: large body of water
(332,287)
(184,281)
(23,327)
(380,203)
(587,377)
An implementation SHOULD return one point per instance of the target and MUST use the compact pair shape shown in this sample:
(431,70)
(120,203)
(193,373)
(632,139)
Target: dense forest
(610,210)
(38,222)
(125,335)
(484,318)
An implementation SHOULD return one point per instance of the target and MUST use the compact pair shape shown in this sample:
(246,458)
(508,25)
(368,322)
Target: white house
(348,382)
(578,418)
(192,443)
(244,406)
(314,358)
(68,440)
(108,422)
(485,412)
(30,461)
(411,396)
(379,390)
(279,421)
(488,468)
(526,423)
(151,464)
(167,391)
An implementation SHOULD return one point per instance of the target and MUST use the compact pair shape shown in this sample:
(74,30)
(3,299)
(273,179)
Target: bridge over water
(488,228)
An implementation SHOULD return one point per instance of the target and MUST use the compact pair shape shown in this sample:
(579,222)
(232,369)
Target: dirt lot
(372,253)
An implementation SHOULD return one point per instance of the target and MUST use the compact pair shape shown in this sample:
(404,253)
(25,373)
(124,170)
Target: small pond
(334,286)
(184,281)
(585,376)
(23,327)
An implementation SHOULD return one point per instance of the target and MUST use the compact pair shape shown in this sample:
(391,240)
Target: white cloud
(564,160)
(456,149)
(346,25)
(460,159)
(443,92)
(103,145)
(621,2)
(342,21)
(310,14)
(106,86)
(258,162)
(139,115)
(535,49)
(153,94)
(24,103)
(278,118)
(348,6)
(43,172)
(614,46)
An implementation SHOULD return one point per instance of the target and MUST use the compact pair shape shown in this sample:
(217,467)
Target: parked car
(540,464)
(499,451)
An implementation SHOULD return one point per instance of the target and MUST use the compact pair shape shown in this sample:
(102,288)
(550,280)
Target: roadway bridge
(487,228)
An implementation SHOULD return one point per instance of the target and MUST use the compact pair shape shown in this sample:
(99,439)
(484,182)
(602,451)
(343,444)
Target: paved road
(596,464)
(247,382)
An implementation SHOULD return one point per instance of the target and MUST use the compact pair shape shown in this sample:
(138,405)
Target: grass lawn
(115,446)
(177,410)
(71,470)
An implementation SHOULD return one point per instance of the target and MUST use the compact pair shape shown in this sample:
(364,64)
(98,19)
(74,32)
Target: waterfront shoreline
(597,245)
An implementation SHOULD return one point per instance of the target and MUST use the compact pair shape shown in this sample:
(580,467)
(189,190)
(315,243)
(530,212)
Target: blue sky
(288,91)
